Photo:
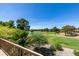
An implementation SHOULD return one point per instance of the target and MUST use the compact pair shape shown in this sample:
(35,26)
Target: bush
(44,51)
(30,40)
(38,39)
(59,47)
(19,34)
(6,32)
(20,37)
(76,52)
(52,48)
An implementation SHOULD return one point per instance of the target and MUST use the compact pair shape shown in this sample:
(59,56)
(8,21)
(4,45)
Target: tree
(46,29)
(7,23)
(55,29)
(23,24)
(11,23)
(68,29)
(4,23)
(1,22)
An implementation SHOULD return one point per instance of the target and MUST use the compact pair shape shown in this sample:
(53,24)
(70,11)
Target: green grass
(53,38)
(65,41)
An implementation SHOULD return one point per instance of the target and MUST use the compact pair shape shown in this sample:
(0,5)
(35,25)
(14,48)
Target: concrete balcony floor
(2,53)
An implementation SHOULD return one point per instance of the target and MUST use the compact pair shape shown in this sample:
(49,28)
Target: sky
(42,15)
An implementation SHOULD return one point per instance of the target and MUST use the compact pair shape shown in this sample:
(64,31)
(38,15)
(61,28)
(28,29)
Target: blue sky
(42,15)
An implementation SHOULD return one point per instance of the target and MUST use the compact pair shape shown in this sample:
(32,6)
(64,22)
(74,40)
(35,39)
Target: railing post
(19,52)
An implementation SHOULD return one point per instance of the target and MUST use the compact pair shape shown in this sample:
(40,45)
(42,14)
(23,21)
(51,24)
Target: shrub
(20,37)
(6,32)
(19,34)
(52,48)
(30,40)
(76,52)
(14,35)
(38,39)
(59,47)
(44,51)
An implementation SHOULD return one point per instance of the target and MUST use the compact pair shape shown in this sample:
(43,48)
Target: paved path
(2,53)
(66,52)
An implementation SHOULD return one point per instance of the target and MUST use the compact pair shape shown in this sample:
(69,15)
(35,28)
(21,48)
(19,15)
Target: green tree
(46,29)
(1,22)
(7,23)
(11,23)
(4,23)
(55,29)
(68,29)
(23,24)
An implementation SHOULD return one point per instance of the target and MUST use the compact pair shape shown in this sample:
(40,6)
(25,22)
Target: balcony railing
(13,49)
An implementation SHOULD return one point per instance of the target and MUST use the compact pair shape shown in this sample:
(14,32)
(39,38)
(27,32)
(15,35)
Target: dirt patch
(62,35)
(66,52)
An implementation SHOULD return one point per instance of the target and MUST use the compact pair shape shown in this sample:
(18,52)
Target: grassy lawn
(65,41)
(53,38)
